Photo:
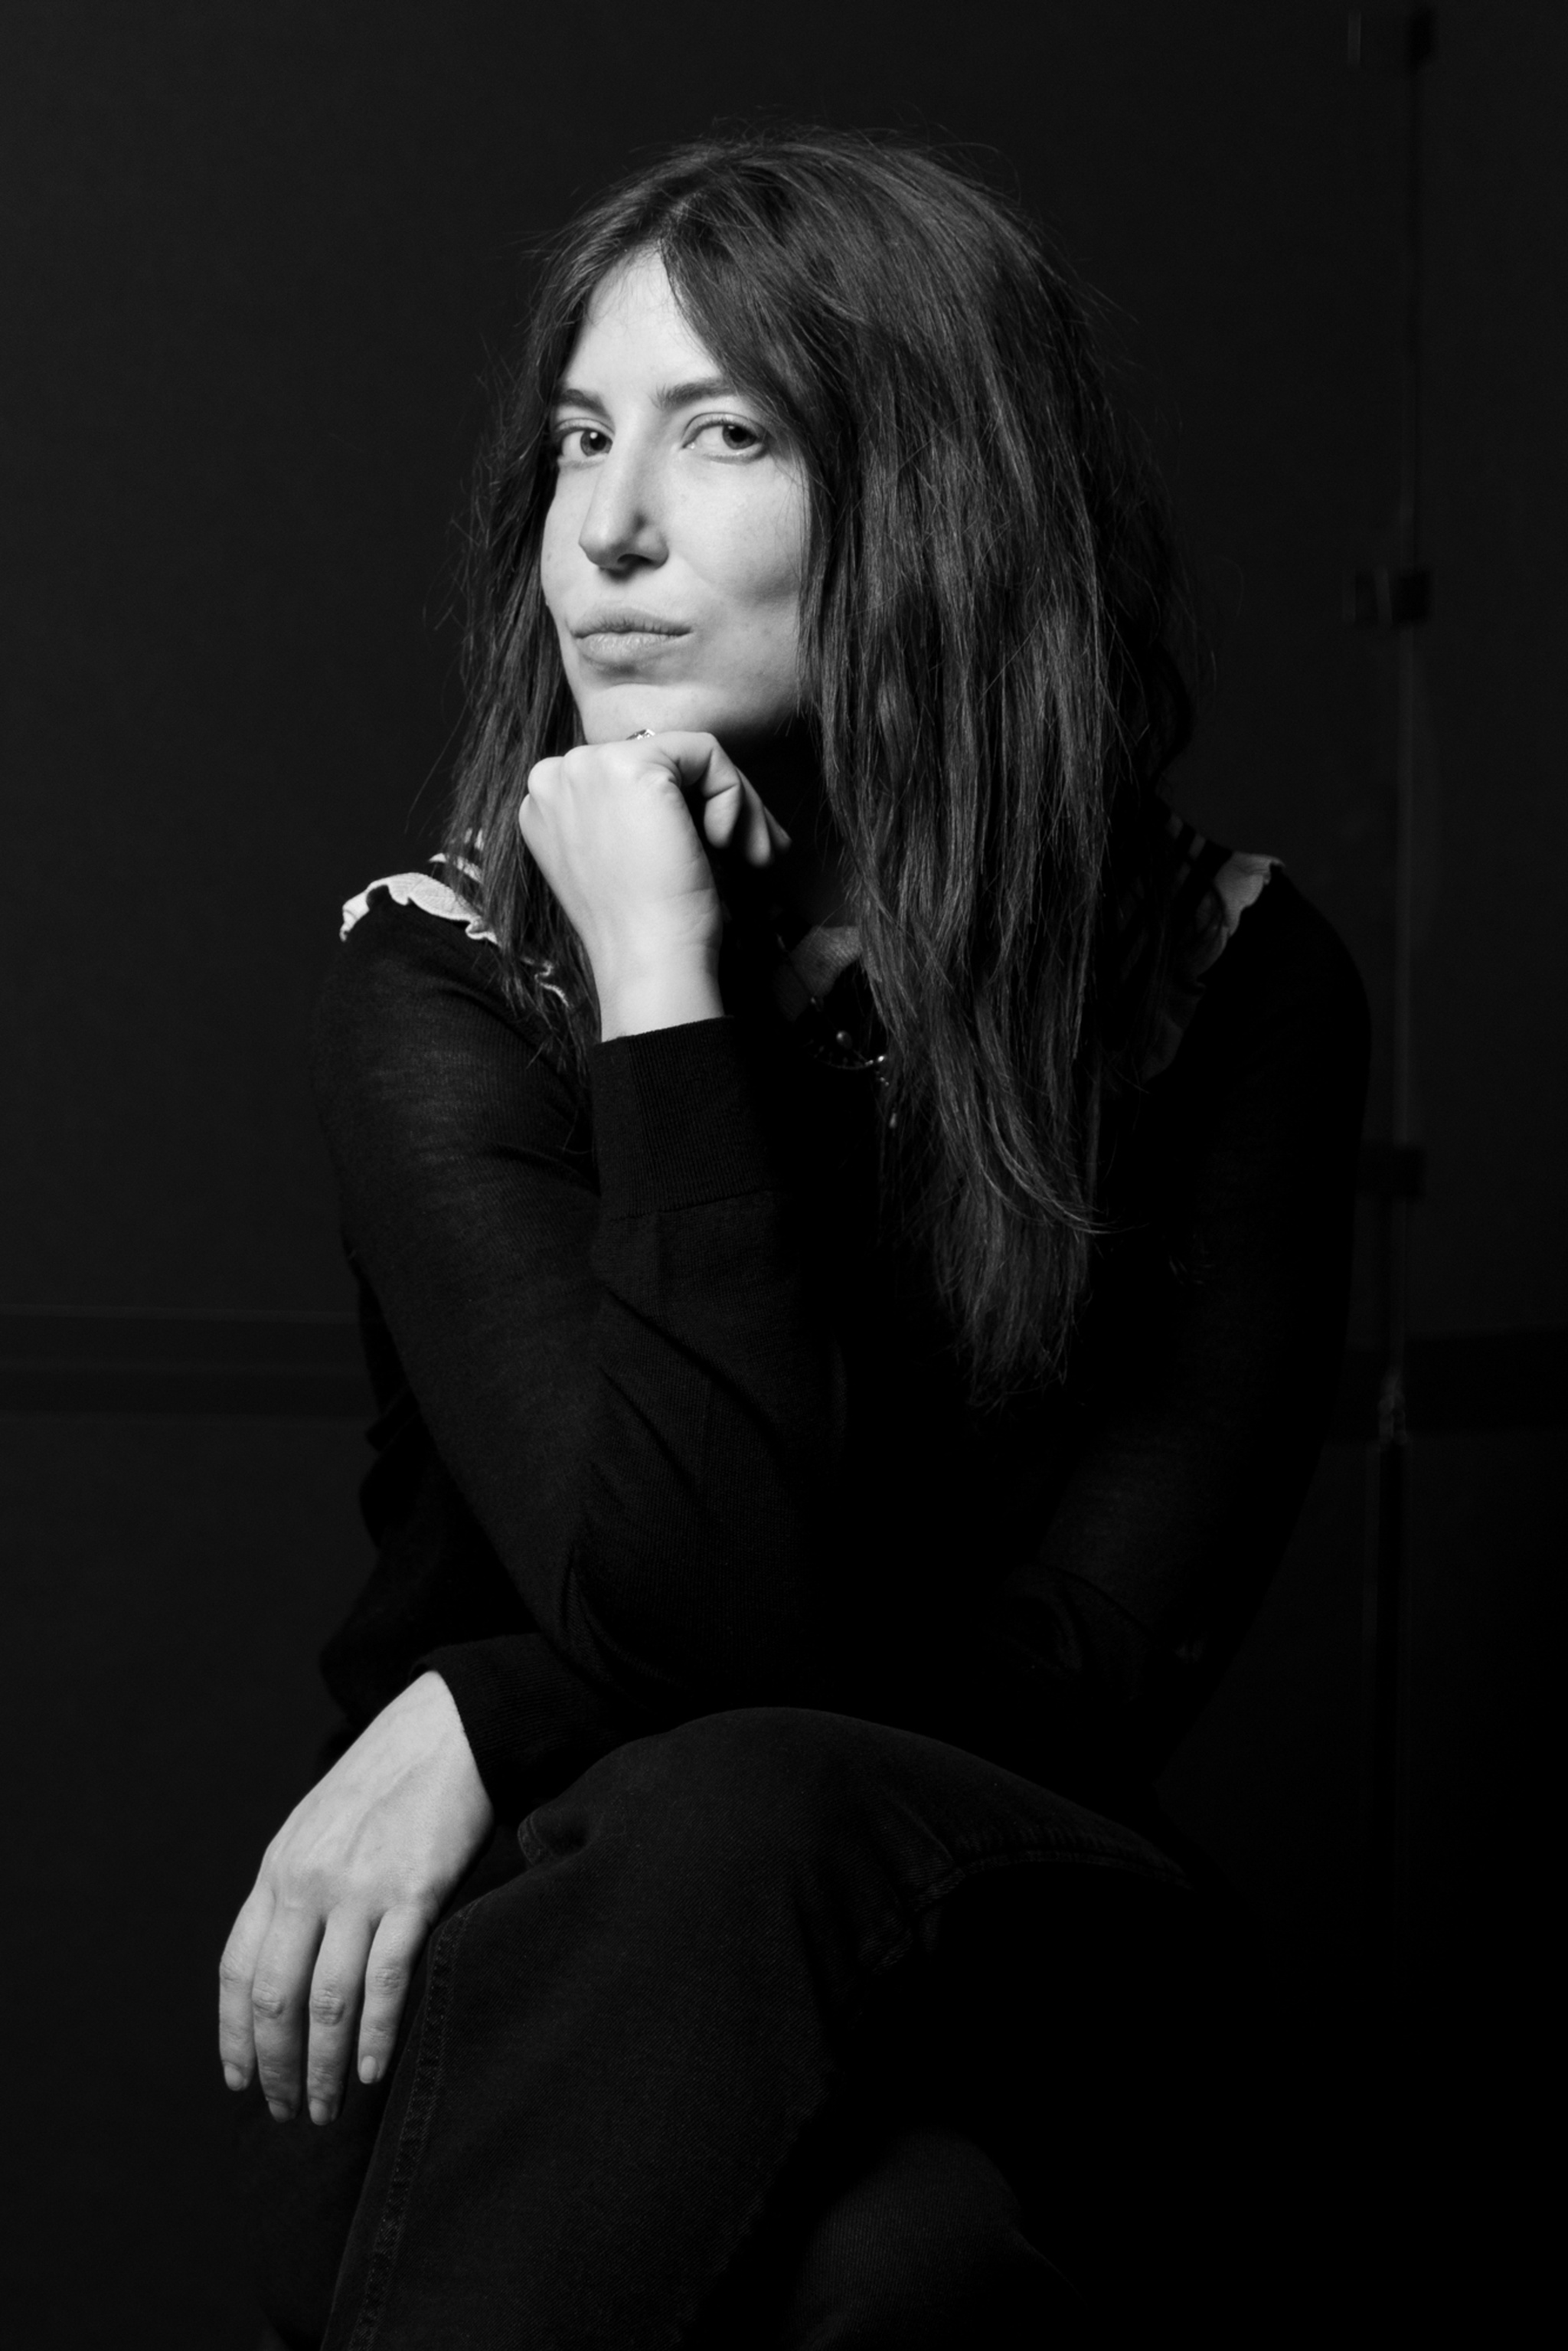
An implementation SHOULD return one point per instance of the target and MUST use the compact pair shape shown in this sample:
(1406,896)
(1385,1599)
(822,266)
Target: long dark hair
(989,617)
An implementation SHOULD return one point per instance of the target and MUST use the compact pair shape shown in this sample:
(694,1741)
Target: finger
(278,1997)
(543,777)
(336,1985)
(778,840)
(715,792)
(766,839)
(543,781)
(741,823)
(237,1972)
(389,1970)
(732,813)
(699,763)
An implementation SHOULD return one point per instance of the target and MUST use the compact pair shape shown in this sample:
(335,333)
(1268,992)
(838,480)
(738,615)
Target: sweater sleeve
(613,1346)
(607,1331)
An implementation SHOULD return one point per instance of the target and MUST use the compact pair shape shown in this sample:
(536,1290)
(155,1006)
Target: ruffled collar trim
(1218,886)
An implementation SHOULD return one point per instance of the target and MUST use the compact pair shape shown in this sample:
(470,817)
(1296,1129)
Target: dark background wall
(260,254)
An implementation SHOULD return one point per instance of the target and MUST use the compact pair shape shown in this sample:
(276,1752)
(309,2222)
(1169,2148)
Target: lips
(626,621)
(624,638)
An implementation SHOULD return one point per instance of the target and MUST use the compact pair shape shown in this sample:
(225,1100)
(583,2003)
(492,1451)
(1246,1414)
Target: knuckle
(388,1977)
(271,2003)
(329,2004)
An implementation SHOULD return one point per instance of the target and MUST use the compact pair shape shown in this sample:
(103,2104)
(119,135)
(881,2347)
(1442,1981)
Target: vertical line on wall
(1398,599)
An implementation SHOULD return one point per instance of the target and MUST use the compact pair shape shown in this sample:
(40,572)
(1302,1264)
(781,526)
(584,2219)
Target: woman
(852,1201)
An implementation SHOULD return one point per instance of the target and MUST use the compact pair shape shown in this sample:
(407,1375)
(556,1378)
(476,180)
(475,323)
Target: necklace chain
(812,1024)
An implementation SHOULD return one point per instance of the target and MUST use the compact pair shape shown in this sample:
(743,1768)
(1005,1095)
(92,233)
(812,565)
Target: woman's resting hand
(348,1891)
(618,830)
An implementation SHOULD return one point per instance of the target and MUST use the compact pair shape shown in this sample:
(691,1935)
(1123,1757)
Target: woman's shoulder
(1251,952)
(1259,967)
(407,938)
(418,988)
(1285,963)
(432,893)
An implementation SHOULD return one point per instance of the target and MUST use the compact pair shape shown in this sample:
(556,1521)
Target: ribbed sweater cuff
(674,1120)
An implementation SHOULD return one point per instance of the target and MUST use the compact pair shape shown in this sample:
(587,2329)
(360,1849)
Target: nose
(622,525)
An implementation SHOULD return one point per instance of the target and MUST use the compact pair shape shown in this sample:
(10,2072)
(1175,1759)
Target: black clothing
(788,2031)
(793,2023)
(667,1428)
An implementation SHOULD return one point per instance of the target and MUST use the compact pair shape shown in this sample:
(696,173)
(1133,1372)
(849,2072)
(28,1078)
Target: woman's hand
(618,830)
(348,1891)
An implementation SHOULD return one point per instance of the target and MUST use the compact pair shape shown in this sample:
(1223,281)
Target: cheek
(769,565)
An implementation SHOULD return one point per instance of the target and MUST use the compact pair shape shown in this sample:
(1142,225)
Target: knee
(758,1763)
(747,1781)
(926,2248)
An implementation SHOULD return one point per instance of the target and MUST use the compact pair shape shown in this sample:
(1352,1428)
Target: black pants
(790,2030)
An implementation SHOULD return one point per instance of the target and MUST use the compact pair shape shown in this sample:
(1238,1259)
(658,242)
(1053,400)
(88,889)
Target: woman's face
(675,542)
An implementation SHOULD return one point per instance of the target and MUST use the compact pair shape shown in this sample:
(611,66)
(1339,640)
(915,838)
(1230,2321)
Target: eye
(577,442)
(729,436)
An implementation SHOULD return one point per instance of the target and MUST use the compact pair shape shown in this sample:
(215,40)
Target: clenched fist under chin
(622,834)
(348,1890)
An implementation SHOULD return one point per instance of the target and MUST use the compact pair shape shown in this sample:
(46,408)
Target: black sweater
(666,1428)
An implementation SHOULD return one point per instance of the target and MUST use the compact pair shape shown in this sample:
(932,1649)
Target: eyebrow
(668,397)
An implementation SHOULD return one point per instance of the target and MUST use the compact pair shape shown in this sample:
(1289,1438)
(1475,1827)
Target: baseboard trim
(284,1366)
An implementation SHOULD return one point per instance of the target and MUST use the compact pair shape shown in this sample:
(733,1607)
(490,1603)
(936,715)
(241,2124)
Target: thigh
(970,1962)
(1007,2150)
(624,2047)
(1033,2132)
(768,1810)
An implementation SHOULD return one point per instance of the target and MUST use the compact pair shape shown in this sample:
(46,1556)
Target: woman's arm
(614,1356)
(611,1345)
(1207,1395)
(625,1376)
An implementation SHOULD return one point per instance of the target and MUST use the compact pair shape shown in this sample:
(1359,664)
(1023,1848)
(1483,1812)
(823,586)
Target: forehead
(634,324)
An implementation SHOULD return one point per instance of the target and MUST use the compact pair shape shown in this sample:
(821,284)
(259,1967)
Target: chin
(609,714)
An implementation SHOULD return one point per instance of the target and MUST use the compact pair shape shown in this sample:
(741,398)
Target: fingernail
(234,2077)
(280,2112)
(320,2112)
(369,2069)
